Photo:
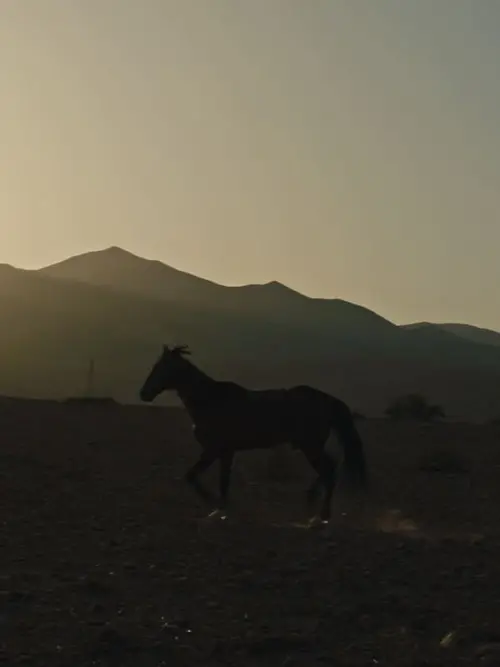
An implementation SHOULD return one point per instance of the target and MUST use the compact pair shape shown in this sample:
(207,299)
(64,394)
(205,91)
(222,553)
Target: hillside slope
(465,331)
(267,336)
(125,272)
(320,322)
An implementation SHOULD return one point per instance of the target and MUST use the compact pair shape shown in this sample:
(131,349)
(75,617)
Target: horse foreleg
(192,476)
(226,464)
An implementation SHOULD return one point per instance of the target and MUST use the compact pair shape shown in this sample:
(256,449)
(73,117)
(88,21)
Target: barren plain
(107,557)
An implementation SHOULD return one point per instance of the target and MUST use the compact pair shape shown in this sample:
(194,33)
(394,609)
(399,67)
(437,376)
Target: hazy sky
(348,148)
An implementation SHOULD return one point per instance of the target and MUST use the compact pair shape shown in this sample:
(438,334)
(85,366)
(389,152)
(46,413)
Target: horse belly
(249,426)
(257,431)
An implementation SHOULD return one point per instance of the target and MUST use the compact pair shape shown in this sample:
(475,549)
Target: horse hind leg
(312,494)
(314,489)
(328,475)
(325,466)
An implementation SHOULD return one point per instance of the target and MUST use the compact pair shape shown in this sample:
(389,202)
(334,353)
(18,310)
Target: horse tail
(352,445)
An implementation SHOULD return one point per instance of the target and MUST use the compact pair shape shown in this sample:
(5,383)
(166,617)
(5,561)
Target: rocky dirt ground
(106,557)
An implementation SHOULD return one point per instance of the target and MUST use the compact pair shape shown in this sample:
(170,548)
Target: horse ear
(165,349)
(181,350)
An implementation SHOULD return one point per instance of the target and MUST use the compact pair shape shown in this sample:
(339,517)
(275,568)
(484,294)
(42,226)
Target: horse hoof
(317,522)
(218,514)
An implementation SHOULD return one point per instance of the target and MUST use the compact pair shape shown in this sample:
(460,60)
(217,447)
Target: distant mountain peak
(276,285)
(113,257)
(272,286)
(115,250)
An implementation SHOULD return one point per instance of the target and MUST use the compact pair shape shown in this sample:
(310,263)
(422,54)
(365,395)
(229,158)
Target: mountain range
(117,309)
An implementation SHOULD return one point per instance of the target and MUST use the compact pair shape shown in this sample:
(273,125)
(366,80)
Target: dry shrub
(414,407)
(443,460)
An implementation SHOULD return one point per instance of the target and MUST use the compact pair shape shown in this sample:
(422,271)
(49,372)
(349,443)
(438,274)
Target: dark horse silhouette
(228,418)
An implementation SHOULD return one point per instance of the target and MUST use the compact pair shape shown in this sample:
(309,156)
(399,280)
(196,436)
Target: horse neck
(194,387)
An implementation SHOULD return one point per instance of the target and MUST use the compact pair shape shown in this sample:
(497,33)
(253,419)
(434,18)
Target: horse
(229,418)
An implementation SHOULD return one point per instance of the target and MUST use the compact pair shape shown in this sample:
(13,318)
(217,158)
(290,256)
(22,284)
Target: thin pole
(89,389)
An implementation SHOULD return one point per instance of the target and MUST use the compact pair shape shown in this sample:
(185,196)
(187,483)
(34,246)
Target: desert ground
(107,558)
